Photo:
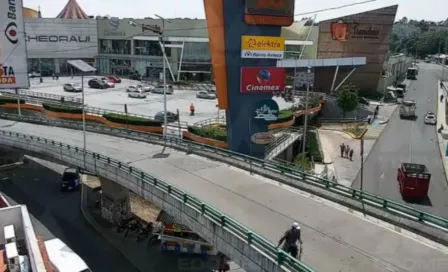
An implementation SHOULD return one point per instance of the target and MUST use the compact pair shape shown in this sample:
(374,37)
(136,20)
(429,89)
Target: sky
(413,9)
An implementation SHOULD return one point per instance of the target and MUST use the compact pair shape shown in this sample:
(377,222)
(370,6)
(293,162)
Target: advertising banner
(269,12)
(13,63)
(262,79)
(262,47)
(266,111)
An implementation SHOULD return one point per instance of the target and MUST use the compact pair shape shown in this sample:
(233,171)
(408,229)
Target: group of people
(346,151)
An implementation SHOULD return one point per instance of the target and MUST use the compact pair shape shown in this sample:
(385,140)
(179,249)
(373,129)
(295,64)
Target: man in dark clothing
(342,146)
(441,98)
(290,239)
(351,154)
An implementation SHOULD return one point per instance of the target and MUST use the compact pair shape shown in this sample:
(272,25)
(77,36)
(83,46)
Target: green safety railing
(251,238)
(283,169)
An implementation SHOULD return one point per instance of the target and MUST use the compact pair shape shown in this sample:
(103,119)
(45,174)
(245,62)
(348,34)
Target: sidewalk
(441,120)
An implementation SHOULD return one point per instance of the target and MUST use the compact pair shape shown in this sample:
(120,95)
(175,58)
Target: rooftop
(72,11)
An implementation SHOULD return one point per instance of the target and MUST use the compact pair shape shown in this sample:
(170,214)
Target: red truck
(414,181)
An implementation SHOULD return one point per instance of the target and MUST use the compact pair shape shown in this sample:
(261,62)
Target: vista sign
(262,79)
(262,47)
(263,138)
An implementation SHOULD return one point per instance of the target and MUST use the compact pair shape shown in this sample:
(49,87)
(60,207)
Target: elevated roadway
(410,141)
(336,239)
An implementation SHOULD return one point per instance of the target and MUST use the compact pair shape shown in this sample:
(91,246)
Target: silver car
(205,95)
(159,89)
(72,87)
(430,118)
(132,89)
(145,87)
(109,83)
(139,94)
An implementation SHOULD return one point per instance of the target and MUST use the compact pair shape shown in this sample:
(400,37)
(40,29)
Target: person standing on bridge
(290,239)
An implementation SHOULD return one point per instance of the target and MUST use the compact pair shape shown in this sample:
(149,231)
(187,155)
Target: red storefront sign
(262,79)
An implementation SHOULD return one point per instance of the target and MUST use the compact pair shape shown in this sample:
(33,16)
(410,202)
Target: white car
(430,118)
(205,95)
(139,94)
(145,87)
(159,89)
(33,75)
(72,87)
(108,82)
(132,89)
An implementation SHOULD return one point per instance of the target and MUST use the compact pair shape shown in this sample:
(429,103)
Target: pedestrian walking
(351,154)
(441,98)
(342,146)
(347,150)
(334,179)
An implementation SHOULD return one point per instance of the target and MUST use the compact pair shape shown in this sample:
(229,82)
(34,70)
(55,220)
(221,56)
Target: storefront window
(121,67)
(43,66)
(118,47)
(292,51)
(150,48)
(196,58)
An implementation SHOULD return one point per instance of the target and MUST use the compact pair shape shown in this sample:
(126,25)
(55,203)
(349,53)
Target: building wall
(370,40)
(46,38)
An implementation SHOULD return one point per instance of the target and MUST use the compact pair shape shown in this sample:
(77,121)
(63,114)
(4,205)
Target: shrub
(312,145)
(131,120)
(285,115)
(211,132)
(11,101)
(62,108)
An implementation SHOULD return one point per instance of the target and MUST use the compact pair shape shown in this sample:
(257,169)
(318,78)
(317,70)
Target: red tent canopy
(72,11)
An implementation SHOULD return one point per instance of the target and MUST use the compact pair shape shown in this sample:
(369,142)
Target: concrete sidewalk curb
(92,222)
(442,120)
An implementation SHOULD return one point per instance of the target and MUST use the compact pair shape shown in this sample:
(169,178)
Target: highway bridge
(336,238)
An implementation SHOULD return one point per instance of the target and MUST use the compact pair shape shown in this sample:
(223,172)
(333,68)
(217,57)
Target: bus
(411,73)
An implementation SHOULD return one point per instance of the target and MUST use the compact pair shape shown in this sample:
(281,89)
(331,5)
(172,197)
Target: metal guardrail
(282,258)
(210,121)
(284,171)
(43,96)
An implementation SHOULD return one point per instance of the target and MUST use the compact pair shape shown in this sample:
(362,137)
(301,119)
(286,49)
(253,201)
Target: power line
(335,8)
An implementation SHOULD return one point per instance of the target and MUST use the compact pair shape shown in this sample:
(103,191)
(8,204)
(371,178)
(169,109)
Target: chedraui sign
(262,47)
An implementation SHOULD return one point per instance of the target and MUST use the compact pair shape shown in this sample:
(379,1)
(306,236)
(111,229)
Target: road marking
(382,176)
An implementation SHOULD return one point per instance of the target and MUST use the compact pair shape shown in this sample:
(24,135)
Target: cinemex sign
(262,79)
(58,39)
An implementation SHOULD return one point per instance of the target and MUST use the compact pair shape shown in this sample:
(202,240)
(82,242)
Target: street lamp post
(305,123)
(160,32)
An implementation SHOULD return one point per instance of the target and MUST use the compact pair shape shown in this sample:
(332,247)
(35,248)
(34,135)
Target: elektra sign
(58,39)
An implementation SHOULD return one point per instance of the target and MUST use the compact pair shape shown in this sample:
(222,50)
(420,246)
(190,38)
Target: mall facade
(51,42)
(125,49)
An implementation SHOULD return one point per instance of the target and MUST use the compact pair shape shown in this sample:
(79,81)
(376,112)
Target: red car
(114,79)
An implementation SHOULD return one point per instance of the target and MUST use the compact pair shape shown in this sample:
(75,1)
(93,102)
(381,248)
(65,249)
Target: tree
(348,98)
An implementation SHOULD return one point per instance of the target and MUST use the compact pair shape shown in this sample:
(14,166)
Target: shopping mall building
(114,46)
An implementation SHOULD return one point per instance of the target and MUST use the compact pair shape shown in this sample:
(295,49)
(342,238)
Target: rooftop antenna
(39,14)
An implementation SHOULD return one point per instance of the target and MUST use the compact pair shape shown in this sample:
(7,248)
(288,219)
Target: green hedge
(11,101)
(312,145)
(62,108)
(131,120)
(215,133)
(285,116)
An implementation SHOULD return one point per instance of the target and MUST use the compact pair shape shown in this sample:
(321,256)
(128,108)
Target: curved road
(55,214)
(410,141)
(333,240)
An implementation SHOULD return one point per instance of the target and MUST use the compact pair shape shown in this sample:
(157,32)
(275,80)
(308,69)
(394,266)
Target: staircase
(283,139)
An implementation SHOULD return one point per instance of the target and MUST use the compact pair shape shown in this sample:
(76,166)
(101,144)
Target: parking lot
(116,98)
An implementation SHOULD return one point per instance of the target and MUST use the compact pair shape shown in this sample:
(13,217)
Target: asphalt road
(56,214)
(409,141)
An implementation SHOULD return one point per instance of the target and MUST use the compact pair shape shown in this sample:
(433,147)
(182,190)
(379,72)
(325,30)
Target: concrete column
(115,205)
(289,153)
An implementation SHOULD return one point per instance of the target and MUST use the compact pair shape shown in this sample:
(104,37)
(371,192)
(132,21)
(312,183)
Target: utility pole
(305,123)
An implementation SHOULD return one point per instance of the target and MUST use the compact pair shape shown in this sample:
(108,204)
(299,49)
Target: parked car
(98,84)
(33,75)
(114,79)
(72,87)
(159,89)
(205,95)
(430,118)
(70,179)
(138,94)
(108,82)
(170,116)
(145,87)
(135,77)
(132,88)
